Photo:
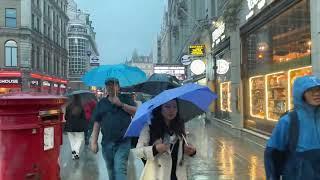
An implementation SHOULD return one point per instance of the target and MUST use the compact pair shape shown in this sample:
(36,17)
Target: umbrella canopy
(85,95)
(193,100)
(127,75)
(79,92)
(155,84)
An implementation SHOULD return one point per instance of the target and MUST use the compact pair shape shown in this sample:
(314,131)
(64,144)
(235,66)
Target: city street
(219,156)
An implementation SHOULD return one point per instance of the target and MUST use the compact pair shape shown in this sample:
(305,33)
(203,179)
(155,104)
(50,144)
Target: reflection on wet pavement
(219,156)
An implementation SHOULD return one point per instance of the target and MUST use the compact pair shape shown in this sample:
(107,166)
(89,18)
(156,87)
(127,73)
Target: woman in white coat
(163,145)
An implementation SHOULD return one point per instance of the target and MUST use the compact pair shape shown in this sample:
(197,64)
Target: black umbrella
(85,96)
(155,84)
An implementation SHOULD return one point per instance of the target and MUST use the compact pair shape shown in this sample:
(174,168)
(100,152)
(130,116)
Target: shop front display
(222,58)
(10,81)
(225,96)
(274,54)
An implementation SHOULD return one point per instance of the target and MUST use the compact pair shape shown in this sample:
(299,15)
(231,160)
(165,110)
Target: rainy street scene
(159,90)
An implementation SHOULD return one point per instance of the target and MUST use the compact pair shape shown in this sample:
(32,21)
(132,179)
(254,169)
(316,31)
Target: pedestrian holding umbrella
(126,75)
(193,100)
(162,141)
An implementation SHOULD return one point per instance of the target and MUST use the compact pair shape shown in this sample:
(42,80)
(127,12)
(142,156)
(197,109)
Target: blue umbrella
(192,100)
(127,75)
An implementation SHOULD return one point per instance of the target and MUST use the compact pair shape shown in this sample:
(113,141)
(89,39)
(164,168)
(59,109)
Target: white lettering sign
(46,83)
(55,85)
(35,83)
(63,86)
(9,81)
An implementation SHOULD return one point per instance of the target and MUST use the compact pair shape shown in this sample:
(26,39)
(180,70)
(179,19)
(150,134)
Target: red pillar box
(30,136)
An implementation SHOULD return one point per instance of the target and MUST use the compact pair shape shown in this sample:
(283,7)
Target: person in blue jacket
(304,161)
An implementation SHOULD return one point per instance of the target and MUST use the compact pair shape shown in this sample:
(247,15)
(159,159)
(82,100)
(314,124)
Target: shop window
(275,54)
(225,96)
(284,41)
(11,17)
(11,54)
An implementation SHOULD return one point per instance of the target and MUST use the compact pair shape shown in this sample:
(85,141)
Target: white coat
(159,167)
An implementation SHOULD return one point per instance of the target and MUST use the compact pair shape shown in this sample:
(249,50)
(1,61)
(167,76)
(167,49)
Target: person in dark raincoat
(75,125)
(304,161)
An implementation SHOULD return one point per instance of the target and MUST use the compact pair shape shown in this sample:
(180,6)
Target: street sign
(94,61)
(198,67)
(186,60)
(197,50)
(222,66)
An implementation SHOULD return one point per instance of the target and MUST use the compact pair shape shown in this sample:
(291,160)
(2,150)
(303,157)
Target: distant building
(145,63)
(82,48)
(33,46)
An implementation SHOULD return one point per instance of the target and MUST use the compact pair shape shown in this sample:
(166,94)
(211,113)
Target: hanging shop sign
(197,50)
(252,4)
(186,60)
(197,67)
(222,66)
(218,35)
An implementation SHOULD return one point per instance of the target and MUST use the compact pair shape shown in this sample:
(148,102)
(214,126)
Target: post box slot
(49,115)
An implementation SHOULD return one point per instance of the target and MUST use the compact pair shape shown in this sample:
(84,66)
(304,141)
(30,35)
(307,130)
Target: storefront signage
(46,83)
(174,70)
(35,83)
(10,81)
(218,34)
(55,85)
(222,66)
(197,50)
(252,4)
(63,86)
(197,67)
(186,60)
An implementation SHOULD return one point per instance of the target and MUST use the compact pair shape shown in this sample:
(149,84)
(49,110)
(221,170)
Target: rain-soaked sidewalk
(219,156)
(222,156)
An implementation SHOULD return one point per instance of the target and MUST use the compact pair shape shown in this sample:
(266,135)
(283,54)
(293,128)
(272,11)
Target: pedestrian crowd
(292,152)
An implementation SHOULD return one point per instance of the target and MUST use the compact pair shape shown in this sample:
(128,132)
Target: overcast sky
(123,25)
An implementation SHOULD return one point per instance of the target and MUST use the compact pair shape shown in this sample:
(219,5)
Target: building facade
(82,47)
(33,46)
(269,45)
(145,63)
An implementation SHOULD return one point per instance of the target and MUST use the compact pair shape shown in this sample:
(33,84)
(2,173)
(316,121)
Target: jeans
(116,156)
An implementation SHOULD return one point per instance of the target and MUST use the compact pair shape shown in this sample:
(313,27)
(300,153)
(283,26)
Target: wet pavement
(222,156)
(219,156)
